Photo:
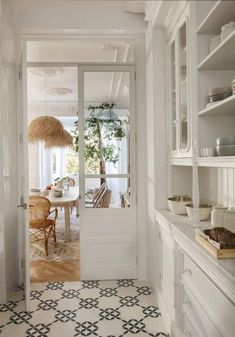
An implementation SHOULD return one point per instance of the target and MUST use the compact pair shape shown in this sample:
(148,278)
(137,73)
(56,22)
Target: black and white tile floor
(120,308)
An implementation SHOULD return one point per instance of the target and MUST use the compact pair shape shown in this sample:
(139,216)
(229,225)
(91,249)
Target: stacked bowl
(218,94)
(225,146)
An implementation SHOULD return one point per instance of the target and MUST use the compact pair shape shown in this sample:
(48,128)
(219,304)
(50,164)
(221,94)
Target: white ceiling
(99,87)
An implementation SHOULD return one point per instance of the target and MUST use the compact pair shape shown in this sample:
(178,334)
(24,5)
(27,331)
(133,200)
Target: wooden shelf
(225,161)
(226,107)
(222,57)
(222,13)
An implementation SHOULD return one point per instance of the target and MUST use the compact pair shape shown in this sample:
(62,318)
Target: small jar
(229,219)
(217,216)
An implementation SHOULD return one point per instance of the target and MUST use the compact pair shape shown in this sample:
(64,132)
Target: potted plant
(103,129)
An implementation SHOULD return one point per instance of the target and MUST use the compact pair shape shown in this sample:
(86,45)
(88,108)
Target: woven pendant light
(50,130)
(64,140)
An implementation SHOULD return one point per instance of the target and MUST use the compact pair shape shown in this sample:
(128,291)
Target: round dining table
(66,201)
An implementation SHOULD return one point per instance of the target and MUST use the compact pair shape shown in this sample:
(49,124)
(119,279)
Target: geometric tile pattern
(121,308)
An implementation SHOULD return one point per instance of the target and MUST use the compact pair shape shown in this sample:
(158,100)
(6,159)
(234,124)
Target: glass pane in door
(183,98)
(107,131)
(173,97)
(107,193)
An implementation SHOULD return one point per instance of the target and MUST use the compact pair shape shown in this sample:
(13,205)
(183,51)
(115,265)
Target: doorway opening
(93,104)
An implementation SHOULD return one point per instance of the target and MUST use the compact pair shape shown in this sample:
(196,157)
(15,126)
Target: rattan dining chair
(97,197)
(72,182)
(41,224)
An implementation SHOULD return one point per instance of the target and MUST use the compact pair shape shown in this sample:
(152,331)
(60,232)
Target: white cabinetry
(196,292)
(215,68)
(179,84)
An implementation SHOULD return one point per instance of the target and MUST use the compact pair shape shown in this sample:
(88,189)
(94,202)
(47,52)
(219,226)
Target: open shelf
(222,13)
(226,107)
(225,161)
(182,161)
(222,57)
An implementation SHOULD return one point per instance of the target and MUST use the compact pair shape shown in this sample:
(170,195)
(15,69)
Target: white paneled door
(107,166)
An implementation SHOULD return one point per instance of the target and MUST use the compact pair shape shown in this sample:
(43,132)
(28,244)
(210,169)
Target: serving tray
(218,253)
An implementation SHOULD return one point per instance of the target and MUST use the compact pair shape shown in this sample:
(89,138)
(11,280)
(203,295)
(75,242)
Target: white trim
(84,212)
(30,34)
(22,127)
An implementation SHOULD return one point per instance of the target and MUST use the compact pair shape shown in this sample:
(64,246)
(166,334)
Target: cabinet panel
(216,305)
(183,86)
(173,118)
(168,268)
(179,88)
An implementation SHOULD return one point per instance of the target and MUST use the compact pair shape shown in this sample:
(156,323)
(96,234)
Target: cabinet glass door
(183,87)
(173,96)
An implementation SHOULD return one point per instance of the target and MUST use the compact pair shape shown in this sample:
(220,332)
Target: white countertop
(181,228)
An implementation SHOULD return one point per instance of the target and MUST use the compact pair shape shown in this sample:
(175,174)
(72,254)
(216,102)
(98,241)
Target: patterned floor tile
(109,302)
(91,315)
(154,324)
(90,293)
(108,328)
(61,329)
(42,316)
(13,330)
(128,291)
(73,285)
(69,304)
(108,284)
(4,317)
(128,313)
(118,308)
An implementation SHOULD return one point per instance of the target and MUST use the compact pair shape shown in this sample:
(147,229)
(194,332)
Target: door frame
(139,43)
(22,163)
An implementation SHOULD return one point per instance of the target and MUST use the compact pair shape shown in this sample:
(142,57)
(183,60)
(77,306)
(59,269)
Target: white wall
(8,153)
(157,149)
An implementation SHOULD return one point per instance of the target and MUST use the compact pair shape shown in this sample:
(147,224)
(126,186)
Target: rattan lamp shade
(64,140)
(50,130)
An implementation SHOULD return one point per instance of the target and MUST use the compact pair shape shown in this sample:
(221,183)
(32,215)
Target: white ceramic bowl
(228,140)
(45,193)
(35,191)
(225,150)
(177,204)
(57,193)
(204,211)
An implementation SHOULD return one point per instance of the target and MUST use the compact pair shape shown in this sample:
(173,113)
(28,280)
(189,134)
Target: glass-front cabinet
(179,117)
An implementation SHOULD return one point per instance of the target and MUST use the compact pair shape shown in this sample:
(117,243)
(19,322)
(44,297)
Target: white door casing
(23,194)
(108,235)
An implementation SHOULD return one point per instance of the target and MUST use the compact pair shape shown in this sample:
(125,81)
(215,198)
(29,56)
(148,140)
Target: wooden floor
(55,271)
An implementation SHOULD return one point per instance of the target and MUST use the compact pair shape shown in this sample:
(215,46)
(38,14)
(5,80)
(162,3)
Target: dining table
(66,201)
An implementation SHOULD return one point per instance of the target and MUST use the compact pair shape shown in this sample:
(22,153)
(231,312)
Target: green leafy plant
(102,131)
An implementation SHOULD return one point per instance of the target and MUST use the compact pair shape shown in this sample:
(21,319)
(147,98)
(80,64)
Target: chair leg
(54,236)
(46,242)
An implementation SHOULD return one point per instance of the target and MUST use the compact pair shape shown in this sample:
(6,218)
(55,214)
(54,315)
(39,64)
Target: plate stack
(218,94)
(225,146)
(233,86)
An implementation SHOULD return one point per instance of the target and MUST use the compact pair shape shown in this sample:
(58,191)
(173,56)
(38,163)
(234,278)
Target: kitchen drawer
(197,321)
(209,297)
